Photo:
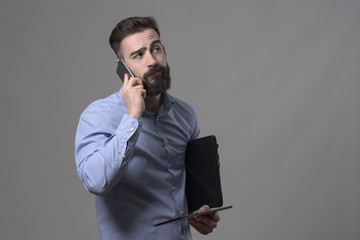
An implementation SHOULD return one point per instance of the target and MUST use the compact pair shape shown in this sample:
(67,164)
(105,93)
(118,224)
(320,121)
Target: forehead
(138,40)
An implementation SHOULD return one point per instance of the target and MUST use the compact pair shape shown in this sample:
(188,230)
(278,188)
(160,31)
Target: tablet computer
(192,215)
(202,163)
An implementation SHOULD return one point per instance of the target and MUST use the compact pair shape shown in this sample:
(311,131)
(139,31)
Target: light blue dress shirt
(136,168)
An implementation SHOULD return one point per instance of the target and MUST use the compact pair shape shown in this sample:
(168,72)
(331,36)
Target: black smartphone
(122,68)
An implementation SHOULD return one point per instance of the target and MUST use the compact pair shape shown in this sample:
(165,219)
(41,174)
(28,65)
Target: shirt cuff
(129,127)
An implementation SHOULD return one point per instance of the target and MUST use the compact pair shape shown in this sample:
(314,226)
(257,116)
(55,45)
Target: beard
(160,83)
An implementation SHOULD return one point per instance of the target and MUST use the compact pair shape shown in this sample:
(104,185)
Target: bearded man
(130,146)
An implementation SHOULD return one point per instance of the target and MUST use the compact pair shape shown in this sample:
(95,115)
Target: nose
(151,60)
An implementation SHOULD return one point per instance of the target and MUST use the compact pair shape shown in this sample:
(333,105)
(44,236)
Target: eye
(156,49)
(139,55)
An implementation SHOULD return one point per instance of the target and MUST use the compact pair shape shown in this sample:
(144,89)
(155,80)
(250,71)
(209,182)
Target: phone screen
(122,68)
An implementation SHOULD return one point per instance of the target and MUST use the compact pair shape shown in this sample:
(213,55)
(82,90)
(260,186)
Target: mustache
(154,69)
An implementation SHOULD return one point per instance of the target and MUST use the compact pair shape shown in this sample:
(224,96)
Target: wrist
(136,115)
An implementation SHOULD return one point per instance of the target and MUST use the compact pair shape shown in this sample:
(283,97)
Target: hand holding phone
(133,92)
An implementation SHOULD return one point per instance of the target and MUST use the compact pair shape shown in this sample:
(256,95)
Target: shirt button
(169,165)
(166,141)
(174,188)
(132,128)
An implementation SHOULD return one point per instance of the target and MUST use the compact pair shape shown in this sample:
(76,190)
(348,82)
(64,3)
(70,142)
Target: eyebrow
(144,48)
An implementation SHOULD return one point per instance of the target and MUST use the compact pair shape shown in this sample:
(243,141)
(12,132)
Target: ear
(117,61)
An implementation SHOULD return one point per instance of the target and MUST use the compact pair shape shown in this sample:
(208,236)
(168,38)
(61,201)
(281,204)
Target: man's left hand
(205,224)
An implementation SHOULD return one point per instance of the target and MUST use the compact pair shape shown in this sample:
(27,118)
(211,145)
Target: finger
(143,93)
(207,220)
(216,217)
(199,229)
(203,208)
(200,226)
(126,79)
(136,81)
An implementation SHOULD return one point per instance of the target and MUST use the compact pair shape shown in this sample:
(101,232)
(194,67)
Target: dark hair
(130,26)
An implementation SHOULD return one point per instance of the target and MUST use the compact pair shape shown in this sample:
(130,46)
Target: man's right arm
(101,156)
(134,95)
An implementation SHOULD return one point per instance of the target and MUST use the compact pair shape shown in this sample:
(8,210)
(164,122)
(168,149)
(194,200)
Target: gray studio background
(277,81)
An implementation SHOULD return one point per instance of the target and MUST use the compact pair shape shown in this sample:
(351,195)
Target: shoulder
(112,101)
(104,110)
(185,115)
(183,111)
(105,105)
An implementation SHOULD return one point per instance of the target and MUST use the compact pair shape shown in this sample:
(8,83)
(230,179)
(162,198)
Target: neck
(153,103)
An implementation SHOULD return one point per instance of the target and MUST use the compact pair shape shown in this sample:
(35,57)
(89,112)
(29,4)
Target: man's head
(137,41)
(129,26)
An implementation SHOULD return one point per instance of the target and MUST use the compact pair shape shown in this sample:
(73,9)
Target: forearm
(101,160)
